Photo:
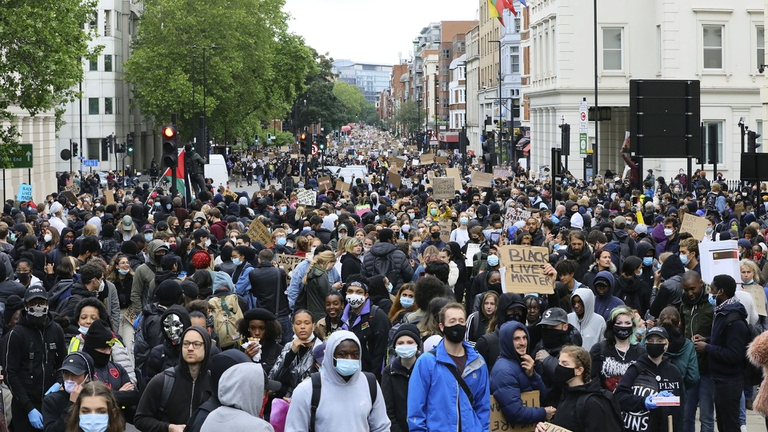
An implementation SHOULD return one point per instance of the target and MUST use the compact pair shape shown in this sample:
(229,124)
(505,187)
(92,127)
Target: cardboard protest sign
(525,269)
(695,225)
(500,423)
(25,193)
(408,183)
(758,297)
(288,263)
(442,188)
(69,196)
(72,188)
(394,179)
(109,197)
(342,187)
(307,197)
(554,428)
(441,159)
(513,215)
(455,175)
(481,179)
(258,232)
(324,183)
(294,156)
(445,231)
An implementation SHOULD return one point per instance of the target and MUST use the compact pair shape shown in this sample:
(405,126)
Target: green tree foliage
(356,107)
(318,104)
(408,116)
(252,75)
(44,46)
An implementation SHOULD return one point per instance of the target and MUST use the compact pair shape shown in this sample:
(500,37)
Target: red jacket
(219,229)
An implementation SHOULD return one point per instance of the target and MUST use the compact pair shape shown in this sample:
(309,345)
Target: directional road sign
(91,163)
(22,158)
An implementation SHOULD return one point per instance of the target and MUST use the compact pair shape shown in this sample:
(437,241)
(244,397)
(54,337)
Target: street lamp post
(595,169)
(205,89)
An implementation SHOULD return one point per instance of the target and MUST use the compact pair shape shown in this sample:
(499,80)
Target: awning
(527,148)
(448,137)
(522,143)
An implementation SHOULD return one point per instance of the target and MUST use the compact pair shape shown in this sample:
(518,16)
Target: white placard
(718,258)
(472,249)
(307,197)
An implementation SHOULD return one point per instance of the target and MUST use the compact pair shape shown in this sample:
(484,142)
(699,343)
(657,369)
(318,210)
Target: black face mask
(24,278)
(622,332)
(655,350)
(455,333)
(553,338)
(436,235)
(99,358)
(495,287)
(563,374)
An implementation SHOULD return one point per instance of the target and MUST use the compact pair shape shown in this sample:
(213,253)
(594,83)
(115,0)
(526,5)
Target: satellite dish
(66,155)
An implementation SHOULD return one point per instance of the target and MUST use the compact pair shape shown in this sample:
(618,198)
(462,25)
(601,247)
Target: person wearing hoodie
(368,322)
(630,287)
(514,374)
(341,380)
(145,273)
(218,226)
(554,334)
(510,307)
(8,286)
(647,253)
(394,381)
(173,322)
(90,282)
(190,388)
(400,270)
(241,394)
(34,353)
(605,301)
(670,291)
(652,376)
(590,325)
(726,350)
(220,363)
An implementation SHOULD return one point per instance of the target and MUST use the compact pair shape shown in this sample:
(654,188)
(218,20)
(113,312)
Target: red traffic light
(169,132)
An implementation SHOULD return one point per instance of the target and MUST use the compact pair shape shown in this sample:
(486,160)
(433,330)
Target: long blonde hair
(321,261)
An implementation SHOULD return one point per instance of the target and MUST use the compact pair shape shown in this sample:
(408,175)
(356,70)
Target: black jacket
(642,379)
(79,292)
(594,408)
(584,259)
(267,284)
(400,270)
(372,329)
(34,356)
(186,395)
(394,388)
(727,347)
(56,411)
(350,265)
(634,292)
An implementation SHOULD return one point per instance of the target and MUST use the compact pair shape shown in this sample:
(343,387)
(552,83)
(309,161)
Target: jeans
(701,395)
(727,400)
(287,326)
(742,410)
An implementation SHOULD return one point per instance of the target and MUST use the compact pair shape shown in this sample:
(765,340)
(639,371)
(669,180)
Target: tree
(44,46)
(318,104)
(253,67)
(407,115)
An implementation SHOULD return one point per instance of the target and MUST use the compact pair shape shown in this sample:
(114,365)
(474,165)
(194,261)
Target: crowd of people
(361,311)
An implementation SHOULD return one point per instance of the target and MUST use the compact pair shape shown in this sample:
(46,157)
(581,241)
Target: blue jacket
(508,380)
(435,397)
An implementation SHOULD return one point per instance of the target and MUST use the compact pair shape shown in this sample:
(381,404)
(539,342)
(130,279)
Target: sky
(370,31)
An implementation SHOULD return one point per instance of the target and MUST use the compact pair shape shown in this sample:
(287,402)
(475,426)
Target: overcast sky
(371,31)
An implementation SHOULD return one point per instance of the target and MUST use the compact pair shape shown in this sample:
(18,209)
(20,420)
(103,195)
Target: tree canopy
(44,47)
(253,69)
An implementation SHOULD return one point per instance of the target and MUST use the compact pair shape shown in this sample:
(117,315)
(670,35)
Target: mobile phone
(182,274)
(495,237)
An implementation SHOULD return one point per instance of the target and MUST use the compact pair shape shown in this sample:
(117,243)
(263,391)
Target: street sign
(91,163)
(25,193)
(315,150)
(583,128)
(21,158)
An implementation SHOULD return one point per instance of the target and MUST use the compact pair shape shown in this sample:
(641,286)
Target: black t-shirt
(460,361)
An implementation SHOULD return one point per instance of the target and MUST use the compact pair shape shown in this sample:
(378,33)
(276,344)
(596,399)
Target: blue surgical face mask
(281,241)
(168,206)
(749,282)
(684,259)
(149,237)
(411,215)
(389,287)
(641,272)
(123,272)
(406,301)
(283,209)
(647,261)
(94,422)
(406,351)
(712,300)
(640,331)
(493,260)
(83,330)
(347,367)
(463,220)
(236,261)
(13,238)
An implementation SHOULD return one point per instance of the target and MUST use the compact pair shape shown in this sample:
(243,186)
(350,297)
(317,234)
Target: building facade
(719,44)
(372,79)
(40,131)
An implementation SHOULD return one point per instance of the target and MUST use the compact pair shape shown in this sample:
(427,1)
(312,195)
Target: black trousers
(727,399)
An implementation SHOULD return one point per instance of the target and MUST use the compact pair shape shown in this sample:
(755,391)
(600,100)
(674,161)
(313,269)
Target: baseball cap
(641,229)
(147,228)
(35,292)
(658,331)
(127,223)
(76,363)
(554,316)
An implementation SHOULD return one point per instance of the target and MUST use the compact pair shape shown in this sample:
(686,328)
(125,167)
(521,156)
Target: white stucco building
(721,44)
(40,131)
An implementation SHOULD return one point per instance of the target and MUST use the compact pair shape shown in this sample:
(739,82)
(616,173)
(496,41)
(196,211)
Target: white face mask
(208,243)
(355,300)
(48,238)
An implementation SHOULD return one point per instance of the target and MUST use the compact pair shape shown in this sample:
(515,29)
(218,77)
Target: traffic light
(752,144)
(129,142)
(321,142)
(170,146)
(565,138)
(305,144)
(489,154)
(74,149)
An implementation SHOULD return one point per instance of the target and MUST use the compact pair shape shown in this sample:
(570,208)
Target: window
(719,140)
(94,65)
(759,131)
(713,46)
(93,148)
(760,45)
(93,106)
(514,59)
(108,106)
(612,49)
(517,25)
(107,62)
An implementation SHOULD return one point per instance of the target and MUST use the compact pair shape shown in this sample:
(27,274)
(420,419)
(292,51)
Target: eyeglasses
(187,344)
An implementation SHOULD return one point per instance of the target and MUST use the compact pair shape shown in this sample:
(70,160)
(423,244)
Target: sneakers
(743,428)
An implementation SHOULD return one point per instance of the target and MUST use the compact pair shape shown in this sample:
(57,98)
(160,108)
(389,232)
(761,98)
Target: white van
(217,170)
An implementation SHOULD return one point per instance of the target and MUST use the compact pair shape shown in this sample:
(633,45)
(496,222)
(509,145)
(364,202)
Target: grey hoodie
(143,276)
(592,325)
(241,392)
(331,415)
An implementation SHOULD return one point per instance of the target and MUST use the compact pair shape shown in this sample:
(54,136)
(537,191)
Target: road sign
(22,158)
(25,193)
(315,150)
(82,158)
(583,128)
(91,163)
(583,145)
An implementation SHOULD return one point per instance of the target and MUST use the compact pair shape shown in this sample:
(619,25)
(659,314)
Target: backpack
(226,314)
(317,385)
(614,422)
(625,251)
(141,348)
(383,266)
(60,292)
(169,379)
(753,375)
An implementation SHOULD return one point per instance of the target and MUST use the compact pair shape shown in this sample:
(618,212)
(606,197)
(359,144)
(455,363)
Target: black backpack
(317,386)
(613,423)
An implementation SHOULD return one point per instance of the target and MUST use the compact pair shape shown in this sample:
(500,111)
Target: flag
(496,9)
(522,2)
(510,5)
(180,183)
